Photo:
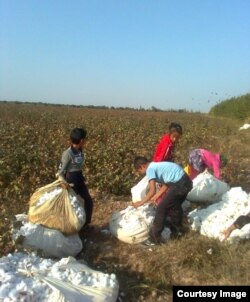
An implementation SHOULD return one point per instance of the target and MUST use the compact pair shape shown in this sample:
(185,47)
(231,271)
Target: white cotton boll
(90,279)
(112,283)
(4,290)
(13,294)
(79,210)
(47,196)
(8,277)
(25,288)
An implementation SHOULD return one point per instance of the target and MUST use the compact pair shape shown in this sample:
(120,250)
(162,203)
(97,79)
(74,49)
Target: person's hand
(153,201)
(137,204)
(154,198)
(226,233)
(65,185)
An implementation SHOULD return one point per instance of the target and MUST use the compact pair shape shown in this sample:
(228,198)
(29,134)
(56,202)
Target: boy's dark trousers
(77,179)
(171,206)
(242,220)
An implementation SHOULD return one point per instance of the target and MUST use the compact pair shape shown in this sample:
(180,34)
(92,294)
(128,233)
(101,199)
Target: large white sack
(207,188)
(139,191)
(31,278)
(49,242)
(132,225)
(213,220)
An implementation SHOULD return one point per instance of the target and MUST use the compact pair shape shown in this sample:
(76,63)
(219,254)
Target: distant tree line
(153,108)
(236,107)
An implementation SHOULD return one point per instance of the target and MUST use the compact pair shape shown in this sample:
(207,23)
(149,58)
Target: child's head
(77,136)
(175,132)
(140,164)
(223,160)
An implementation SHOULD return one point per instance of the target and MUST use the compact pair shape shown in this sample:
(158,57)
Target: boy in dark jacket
(71,170)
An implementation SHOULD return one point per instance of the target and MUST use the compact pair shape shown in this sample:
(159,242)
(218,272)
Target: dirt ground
(106,253)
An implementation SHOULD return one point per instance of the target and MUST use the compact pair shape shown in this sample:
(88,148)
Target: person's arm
(242,220)
(162,190)
(238,224)
(63,168)
(216,168)
(228,231)
(148,197)
(216,165)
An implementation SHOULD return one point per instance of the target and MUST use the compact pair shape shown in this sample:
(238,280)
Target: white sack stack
(49,242)
(213,220)
(207,188)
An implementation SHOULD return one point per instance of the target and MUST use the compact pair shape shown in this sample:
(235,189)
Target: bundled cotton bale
(48,242)
(57,208)
(132,225)
(213,220)
(207,188)
(31,278)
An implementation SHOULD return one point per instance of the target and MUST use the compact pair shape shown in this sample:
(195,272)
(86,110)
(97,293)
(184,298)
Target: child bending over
(175,183)
(201,159)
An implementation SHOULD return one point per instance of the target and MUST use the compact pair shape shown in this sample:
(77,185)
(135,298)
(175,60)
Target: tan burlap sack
(56,212)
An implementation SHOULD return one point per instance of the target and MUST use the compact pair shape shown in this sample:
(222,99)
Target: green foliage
(234,108)
(34,137)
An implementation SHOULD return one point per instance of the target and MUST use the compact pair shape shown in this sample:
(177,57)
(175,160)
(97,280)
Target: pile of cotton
(49,242)
(78,208)
(30,278)
(132,224)
(47,196)
(244,127)
(213,220)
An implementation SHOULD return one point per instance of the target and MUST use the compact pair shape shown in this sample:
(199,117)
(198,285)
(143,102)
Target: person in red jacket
(165,148)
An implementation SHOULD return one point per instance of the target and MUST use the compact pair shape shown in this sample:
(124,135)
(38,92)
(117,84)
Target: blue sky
(168,54)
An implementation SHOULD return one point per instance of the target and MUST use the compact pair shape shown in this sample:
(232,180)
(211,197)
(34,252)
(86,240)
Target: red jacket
(164,150)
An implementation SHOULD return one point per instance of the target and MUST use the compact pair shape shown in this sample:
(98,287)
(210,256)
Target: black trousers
(242,220)
(170,207)
(77,179)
